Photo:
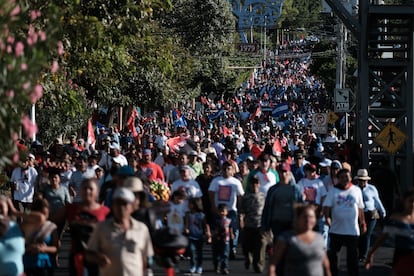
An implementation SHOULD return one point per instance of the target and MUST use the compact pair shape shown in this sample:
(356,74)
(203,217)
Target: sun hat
(134,184)
(362,174)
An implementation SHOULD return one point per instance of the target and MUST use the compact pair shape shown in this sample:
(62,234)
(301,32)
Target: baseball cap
(134,184)
(336,164)
(125,171)
(193,153)
(325,163)
(146,152)
(115,146)
(124,194)
(31,156)
(284,167)
(310,167)
(184,167)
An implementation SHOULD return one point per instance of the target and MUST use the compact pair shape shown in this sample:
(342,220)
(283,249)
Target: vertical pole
(33,115)
(363,84)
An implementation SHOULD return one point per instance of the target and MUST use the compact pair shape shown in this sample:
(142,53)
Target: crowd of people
(233,174)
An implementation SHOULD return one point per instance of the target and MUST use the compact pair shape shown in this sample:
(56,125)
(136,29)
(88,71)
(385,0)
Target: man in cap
(23,179)
(278,210)
(343,208)
(373,210)
(314,193)
(297,166)
(266,175)
(150,169)
(187,183)
(114,158)
(194,163)
(120,245)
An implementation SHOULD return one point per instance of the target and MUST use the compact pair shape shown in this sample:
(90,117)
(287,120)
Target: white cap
(124,194)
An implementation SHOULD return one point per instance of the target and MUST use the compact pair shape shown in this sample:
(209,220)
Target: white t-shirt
(25,183)
(313,189)
(345,205)
(175,216)
(226,191)
(191,187)
(266,181)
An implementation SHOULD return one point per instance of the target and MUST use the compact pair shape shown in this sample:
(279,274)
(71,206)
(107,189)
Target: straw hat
(362,174)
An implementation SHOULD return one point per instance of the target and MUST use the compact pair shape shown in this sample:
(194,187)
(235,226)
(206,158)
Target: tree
(26,48)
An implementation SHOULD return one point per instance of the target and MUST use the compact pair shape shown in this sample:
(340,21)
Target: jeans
(323,228)
(221,252)
(351,244)
(235,225)
(278,227)
(365,239)
(196,252)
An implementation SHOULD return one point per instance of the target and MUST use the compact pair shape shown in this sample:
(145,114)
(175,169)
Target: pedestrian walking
(373,210)
(221,241)
(302,250)
(198,231)
(400,227)
(344,212)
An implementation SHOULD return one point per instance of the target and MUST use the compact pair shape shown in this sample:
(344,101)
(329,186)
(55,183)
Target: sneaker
(225,271)
(192,269)
(199,270)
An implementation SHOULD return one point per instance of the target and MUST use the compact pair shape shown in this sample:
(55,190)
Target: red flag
(131,123)
(226,131)
(204,100)
(236,100)
(91,134)
(256,113)
(176,143)
(256,151)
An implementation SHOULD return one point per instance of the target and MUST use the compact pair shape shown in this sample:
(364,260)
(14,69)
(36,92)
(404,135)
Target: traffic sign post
(342,99)
(391,138)
(320,123)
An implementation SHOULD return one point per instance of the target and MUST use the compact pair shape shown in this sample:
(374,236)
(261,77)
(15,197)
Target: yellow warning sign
(332,117)
(391,138)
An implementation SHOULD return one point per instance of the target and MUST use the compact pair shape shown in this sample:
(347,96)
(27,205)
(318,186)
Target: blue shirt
(372,200)
(11,251)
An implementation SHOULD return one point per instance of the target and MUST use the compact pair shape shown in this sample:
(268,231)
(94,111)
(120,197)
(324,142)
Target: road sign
(391,138)
(320,123)
(332,117)
(342,100)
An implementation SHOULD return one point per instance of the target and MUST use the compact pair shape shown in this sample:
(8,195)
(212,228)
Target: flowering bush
(160,190)
(26,49)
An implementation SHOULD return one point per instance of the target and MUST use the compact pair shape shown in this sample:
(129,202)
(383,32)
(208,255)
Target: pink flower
(28,126)
(9,49)
(15,11)
(10,39)
(26,86)
(60,49)
(34,14)
(55,67)
(16,157)
(36,93)
(23,66)
(10,93)
(42,35)
(31,36)
(18,49)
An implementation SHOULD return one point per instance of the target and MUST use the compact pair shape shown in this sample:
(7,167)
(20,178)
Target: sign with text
(342,100)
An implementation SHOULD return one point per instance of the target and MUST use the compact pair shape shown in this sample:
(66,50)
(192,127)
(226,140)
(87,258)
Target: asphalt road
(381,265)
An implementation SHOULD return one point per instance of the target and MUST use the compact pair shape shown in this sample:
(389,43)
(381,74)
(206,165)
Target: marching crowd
(250,175)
